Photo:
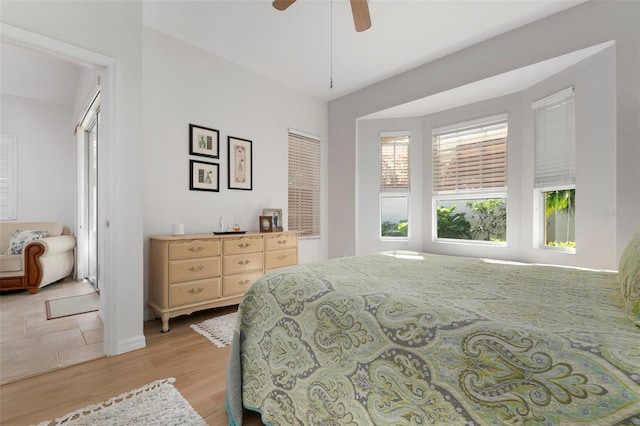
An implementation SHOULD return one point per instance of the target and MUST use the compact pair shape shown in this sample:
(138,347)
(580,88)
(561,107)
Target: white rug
(155,404)
(73,305)
(219,330)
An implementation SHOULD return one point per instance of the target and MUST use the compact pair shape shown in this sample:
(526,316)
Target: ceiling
(35,75)
(295,48)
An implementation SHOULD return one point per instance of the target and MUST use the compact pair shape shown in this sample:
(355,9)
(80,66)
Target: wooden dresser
(189,273)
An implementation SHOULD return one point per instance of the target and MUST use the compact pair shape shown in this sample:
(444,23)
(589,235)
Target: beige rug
(219,330)
(73,305)
(156,404)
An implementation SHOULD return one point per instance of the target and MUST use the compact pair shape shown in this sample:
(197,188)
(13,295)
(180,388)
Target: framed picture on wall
(204,176)
(240,165)
(204,141)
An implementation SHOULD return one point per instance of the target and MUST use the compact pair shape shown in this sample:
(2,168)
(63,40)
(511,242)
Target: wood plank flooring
(198,366)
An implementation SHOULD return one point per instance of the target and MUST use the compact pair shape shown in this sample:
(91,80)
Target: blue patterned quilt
(405,338)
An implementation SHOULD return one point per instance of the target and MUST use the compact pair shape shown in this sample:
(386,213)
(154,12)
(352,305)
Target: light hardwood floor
(198,366)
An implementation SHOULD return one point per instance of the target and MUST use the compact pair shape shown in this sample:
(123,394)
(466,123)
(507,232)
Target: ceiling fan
(359,9)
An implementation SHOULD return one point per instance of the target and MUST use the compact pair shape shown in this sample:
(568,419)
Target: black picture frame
(240,163)
(204,141)
(204,176)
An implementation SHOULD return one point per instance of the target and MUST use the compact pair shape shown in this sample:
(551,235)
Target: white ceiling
(35,75)
(294,46)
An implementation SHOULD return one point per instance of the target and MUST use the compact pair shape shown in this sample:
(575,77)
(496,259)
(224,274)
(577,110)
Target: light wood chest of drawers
(189,273)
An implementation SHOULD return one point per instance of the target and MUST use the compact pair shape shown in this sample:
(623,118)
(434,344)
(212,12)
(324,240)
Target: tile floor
(30,344)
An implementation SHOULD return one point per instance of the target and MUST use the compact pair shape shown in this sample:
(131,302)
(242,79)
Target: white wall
(114,30)
(368,166)
(185,85)
(46,159)
(591,23)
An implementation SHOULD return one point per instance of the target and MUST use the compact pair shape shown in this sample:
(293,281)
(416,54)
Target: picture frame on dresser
(204,176)
(276,218)
(240,163)
(204,141)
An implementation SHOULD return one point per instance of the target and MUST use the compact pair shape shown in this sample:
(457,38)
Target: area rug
(219,330)
(73,305)
(155,404)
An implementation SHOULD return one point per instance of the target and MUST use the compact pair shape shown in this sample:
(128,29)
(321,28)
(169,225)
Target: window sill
(470,242)
(561,250)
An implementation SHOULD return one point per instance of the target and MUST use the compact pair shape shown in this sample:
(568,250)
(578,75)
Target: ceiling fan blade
(282,4)
(360,10)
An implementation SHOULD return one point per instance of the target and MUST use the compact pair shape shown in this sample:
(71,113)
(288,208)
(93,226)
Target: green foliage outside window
(453,225)
(487,221)
(490,219)
(391,229)
(560,206)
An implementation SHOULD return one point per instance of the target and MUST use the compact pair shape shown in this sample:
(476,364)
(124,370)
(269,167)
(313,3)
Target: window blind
(394,163)
(470,157)
(304,184)
(555,162)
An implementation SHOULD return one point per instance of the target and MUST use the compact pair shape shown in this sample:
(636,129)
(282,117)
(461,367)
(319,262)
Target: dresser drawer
(240,263)
(280,241)
(186,270)
(238,284)
(194,291)
(280,258)
(242,245)
(193,249)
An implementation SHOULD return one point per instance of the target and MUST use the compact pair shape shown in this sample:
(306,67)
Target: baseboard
(131,344)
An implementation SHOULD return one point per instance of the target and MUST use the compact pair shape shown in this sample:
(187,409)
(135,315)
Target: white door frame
(109,65)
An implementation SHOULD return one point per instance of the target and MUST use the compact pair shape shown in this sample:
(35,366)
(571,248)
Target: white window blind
(8,178)
(471,157)
(394,162)
(304,184)
(555,162)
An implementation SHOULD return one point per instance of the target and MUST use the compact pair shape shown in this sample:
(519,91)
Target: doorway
(101,128)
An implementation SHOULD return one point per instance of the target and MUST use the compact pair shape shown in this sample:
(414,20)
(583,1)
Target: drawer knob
(244,282)
(282,256)
(196,249)
(244,262)
(196,268)
(244,245)
(194,291)
(282,241)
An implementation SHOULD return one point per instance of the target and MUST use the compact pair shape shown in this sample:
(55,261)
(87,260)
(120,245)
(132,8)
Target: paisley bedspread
(405,338)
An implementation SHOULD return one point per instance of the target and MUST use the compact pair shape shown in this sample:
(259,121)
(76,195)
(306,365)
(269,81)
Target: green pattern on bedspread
(426,339)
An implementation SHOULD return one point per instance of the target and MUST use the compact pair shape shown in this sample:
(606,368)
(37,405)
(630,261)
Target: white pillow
(21,237)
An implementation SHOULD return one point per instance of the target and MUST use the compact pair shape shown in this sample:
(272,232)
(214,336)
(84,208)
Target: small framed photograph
(240,165)
(265,224)
(276,218)
(204,141)
(204,176)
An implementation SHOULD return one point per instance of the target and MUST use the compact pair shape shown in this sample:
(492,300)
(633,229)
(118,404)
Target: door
(91,163)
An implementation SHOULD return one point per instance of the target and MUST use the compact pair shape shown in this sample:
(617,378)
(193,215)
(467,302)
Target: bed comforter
(415,339)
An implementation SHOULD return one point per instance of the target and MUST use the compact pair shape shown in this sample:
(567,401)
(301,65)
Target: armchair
(42,262)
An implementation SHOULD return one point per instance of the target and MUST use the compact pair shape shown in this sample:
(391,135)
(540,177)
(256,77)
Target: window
(304,184)
(8,178)
(395,185)
(470,181)
(555,190)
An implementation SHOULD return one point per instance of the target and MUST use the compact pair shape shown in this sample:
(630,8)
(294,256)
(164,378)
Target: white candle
(177,229)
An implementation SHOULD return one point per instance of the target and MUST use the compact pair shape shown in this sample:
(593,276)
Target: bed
(405,338)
